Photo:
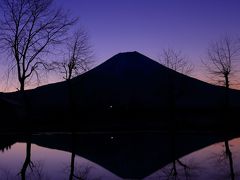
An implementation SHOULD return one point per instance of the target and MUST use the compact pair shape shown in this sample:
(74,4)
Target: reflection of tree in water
(179,170)
(81,171)
(36,172)
(6,142)
(76,170)
(222,163)
(27,161)
(72,162)
(31,170)
(5,148)
(5,173)
(230,159)
(84,173)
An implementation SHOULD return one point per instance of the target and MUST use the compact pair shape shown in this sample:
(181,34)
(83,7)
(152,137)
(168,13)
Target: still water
(48,164)
(209,163)
(146,156)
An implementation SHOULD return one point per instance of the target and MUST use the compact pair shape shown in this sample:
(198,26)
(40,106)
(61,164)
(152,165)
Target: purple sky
(148,26)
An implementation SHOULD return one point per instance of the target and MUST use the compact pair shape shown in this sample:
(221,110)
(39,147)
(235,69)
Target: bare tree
(222,56)
(176,61)
(79,60)
(221,61)
(79,56)
(28,29)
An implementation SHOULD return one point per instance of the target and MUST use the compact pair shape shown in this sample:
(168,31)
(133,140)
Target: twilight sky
(148,26)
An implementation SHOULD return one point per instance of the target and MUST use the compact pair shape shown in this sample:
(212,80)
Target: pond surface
(210,162)
(48,164)
(117,156)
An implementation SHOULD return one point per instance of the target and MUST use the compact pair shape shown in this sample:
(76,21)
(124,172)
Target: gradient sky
(148,26)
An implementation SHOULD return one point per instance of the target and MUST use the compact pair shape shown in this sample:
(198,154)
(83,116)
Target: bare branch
(28,28)
(221,59)
(79,58)
(176,61)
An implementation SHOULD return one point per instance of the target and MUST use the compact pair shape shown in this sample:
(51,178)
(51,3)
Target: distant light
(111,137)
(110,106)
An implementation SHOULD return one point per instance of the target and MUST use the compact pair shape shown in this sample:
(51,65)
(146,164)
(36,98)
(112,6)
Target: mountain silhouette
(129,91)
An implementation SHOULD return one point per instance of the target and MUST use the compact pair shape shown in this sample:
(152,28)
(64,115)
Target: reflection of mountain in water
(128,92)
(133,155)
(49,164)
(209,163)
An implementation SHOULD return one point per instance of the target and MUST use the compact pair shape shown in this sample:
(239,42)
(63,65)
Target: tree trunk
(173,153)
(27,159)
(22,84)
(229,155)
(72,166)
(226,81)
(71,176)
(226,91)
(227,148)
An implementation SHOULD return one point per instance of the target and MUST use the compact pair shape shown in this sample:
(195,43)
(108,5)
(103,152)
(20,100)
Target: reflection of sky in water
(205,164)
(50,163)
